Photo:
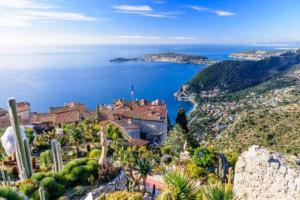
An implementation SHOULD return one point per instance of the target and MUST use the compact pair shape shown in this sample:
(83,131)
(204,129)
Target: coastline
(184,96)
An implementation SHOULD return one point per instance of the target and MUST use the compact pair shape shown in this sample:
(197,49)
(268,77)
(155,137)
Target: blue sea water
(52,76)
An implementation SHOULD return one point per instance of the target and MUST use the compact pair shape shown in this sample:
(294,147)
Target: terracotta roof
(68,107)
(152,113)
(125,124)
(137,142)
(23,106)
(67,117)
(39,118)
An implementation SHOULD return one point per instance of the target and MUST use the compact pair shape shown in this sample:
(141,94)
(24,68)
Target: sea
(49,76)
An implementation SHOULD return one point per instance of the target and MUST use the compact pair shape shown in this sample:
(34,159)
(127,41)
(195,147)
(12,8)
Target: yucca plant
(178,186)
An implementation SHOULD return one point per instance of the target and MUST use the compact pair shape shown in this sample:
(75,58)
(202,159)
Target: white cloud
(156,15)
(184,38)
(198,8)
(25,13)
(142,8)
(136,37)
(223,13)
(45,15)
(24,4)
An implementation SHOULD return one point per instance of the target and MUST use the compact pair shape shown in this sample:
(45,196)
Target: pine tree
(181,119)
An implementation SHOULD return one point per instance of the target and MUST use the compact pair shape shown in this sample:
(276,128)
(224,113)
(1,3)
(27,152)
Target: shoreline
(183,96)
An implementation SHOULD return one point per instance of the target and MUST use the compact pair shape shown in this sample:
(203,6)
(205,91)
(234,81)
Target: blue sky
(24,22)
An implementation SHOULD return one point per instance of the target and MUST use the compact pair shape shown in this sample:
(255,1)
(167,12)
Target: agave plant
(178,186)
(217,191)
(143,166)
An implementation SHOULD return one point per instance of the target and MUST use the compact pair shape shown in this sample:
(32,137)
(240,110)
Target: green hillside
(233,75)
(267,114)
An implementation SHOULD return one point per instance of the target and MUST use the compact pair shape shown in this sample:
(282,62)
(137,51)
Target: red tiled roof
(124,124)
(137,142)
(67,117)
(23,106)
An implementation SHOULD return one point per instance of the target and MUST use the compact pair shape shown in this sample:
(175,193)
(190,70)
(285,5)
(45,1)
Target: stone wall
(117,184)
(262,175)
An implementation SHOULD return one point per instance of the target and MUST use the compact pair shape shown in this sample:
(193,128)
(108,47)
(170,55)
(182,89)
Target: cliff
(262,175)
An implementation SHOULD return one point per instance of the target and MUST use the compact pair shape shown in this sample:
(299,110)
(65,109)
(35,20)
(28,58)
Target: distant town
(169,57)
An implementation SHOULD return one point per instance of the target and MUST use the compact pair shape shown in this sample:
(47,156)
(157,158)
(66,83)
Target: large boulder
(262,175)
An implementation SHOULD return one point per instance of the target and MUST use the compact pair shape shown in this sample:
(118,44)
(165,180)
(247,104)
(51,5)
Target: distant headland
(259,54)
(169,57)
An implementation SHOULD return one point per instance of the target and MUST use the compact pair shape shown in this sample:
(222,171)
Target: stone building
(24,114)
(69,113)
(139,119)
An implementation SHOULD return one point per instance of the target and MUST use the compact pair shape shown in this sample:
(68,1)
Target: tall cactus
(57,156)
(42,193)
(22,146)
(102,161)
(222,167)
(28,155)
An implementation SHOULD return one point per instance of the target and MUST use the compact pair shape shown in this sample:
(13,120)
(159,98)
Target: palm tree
(178,186)
(143,166)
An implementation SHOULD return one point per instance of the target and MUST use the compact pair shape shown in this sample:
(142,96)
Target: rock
(262,175)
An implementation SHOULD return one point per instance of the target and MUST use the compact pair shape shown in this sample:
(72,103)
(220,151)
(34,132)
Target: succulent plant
(23,152)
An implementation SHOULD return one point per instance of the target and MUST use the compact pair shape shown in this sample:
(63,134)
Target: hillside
(231,75)
(267,114)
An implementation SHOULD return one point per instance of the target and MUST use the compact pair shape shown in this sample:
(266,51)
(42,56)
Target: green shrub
(10,194)
(193,171)
(79,171)
(232,157)
(123,195)
(95,154)
(212,178)
(52,187)
(37,177)
(36,195)
(203,157)
(27,188)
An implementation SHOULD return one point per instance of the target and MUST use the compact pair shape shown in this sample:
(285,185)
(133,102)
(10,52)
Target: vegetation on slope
(275,128)
(266,114)
(234,75)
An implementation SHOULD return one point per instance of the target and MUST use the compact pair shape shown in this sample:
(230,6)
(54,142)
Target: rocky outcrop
(262,175)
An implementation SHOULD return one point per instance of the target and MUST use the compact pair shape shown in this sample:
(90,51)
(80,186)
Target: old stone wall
(117,184)
(262,175)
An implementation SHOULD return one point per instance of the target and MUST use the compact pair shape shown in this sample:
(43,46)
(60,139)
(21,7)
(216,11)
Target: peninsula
(169,57)
(259,54)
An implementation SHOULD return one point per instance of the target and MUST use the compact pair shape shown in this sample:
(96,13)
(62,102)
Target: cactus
(28,155)
(22,149)
(102,161)
(57,156)
(42,193)
(222,167)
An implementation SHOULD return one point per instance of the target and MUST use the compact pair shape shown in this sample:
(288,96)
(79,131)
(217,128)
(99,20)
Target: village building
(24,114)
(138,119)
(141,122)
(69,113)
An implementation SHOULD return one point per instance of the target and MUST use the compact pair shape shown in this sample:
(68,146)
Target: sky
(73,22)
